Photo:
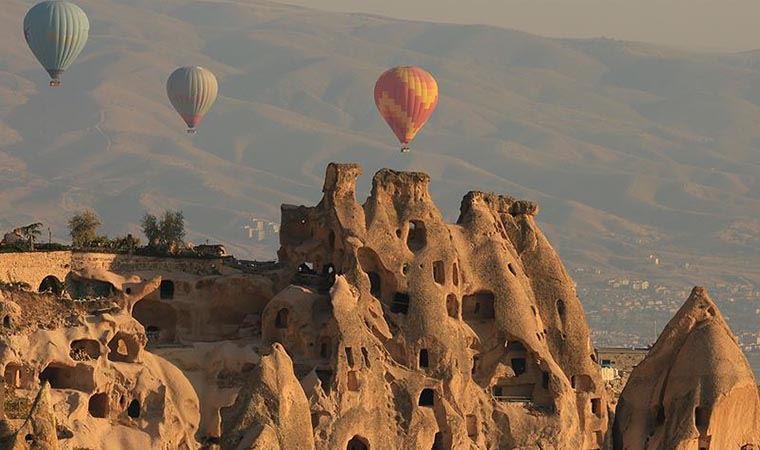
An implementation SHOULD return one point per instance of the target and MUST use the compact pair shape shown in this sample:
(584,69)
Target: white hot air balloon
(192,91)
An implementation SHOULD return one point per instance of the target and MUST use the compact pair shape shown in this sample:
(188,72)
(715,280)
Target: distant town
(630,312)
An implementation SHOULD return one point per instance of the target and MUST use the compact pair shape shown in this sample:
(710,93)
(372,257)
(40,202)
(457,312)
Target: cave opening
(98,405)
(427,397)
(400,303)
(416,239)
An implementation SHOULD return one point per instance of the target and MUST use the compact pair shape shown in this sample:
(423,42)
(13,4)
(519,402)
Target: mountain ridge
(626,146)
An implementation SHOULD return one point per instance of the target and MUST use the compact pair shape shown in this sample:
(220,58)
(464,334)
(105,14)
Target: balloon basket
(54,83)
(190,131)
(405,149)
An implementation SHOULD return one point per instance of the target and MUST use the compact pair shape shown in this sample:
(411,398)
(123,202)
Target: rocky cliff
(433,334)
(381,326)
(694,390)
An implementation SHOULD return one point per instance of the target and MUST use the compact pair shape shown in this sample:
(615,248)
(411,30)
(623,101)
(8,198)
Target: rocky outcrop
(271,411)
(98,383)
(39,430)
(433,334)
(694,390)
(381,326)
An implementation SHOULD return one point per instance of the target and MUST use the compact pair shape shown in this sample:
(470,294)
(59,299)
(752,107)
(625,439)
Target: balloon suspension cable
(191,131)
(54,82)
(405,149)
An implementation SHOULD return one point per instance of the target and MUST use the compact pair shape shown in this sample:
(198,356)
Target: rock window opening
(365,355)
(281,320)
(596,407)
(472,425)
(512,269)
(12,375)
(561,309)
(545,380)
(424,359)
(599,438)
(518,365)
(98,405)
(65,377)
(166,290)
(400,303)
(439,272)
(128,291)
(133,410)
(452,306)
(660,417)
(325,377)
(324,350)
(357,443)
(51,284)
(7,321)
(85,350)
(350,356)
(701,419)
(475,364)
(478,306)
(375,284)
(123,348)
(427,397)
(437,441)
(353,381)
(455,274)
(416,239)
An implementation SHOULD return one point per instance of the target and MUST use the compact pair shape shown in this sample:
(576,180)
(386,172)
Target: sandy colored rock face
(380,327)
(433,334)
(100,384)
(694,390)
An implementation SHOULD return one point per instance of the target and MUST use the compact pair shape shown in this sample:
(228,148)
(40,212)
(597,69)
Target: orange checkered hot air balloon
(406,98)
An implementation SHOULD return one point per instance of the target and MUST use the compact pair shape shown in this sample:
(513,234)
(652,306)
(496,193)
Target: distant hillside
(630,149)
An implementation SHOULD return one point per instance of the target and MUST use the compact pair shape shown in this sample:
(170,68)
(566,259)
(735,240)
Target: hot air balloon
(192,90)
(406,98)
(56,31)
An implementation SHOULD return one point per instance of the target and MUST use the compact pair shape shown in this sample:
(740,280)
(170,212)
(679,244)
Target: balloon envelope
(56,32)
(406,98)
(192,91)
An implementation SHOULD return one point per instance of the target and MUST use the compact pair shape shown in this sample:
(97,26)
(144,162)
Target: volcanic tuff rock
(105,387)
(275,411)
(433,334)
(380,327)
(694,390)
(39,430)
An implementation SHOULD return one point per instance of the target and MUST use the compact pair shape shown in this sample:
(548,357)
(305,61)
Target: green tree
(83,228)
(166,234)
(31,232)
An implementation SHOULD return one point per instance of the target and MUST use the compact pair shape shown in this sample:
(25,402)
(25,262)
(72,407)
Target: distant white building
(262,230)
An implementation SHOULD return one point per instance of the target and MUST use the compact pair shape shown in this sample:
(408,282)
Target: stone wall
(33,267)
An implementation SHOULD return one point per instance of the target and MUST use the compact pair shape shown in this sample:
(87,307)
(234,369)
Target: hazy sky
(703,24)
